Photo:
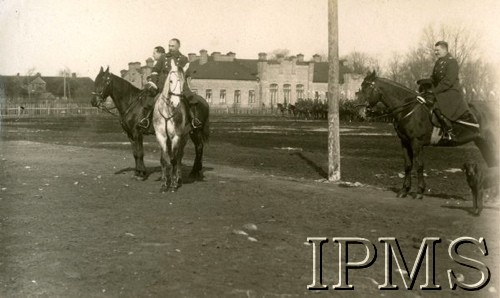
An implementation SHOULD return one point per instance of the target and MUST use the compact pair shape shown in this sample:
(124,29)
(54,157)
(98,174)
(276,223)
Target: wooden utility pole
(333,92)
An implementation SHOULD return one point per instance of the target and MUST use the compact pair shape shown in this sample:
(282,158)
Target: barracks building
(226,81)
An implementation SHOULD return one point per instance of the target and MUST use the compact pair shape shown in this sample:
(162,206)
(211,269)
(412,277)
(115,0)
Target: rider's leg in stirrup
(445,125)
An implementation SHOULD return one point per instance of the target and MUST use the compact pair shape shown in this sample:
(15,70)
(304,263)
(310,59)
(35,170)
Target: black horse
(130,103)
(415,127)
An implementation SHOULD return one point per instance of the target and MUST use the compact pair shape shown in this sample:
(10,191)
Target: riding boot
(195,122)
(445,125)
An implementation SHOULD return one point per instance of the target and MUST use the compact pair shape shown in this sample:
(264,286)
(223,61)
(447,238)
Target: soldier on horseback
(161,70)
(444,85)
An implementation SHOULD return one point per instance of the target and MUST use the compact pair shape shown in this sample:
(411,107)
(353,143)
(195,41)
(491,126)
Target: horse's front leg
(408,158)
(139,157)
(161,136)
(418,149)
(173,149)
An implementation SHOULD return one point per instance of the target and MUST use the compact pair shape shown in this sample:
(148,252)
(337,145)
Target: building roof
(320,74)
(241,70)
(80,86)
(247,70)
(37,80)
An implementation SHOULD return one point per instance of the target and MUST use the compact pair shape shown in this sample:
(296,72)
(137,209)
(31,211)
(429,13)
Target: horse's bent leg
(417,156)
(408,158)
(197,139)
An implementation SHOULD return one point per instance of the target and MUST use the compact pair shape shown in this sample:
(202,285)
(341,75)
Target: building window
(237,96)
(300,91)
(222,97)
(273,91)
(208,95)
(287,88)
(251,96)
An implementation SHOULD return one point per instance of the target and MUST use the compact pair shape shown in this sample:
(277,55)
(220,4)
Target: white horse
(172,126)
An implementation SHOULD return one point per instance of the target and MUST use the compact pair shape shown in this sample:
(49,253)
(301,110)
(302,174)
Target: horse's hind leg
(488,151)
(417,154)
(197,139)
(408,158)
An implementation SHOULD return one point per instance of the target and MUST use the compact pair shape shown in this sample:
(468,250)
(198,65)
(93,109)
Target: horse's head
(174,84)
(369,94)
(102,87)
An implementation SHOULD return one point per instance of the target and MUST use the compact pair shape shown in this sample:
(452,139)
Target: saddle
(428,98)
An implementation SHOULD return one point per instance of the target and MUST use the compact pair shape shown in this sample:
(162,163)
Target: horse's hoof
(419,196)
(195,176)
(402,194)
(164,189)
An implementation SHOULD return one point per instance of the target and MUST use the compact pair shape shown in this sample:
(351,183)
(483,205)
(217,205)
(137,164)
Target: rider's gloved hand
(151,85)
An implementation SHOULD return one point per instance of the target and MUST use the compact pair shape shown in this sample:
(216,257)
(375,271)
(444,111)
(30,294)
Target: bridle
(167,100)
(395,110)
(100,96)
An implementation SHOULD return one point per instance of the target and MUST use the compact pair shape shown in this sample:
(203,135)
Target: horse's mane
(126,83)
(397,85)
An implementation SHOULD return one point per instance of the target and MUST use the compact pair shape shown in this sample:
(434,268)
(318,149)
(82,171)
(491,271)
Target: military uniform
(159,73)
(446,88)
(180,60)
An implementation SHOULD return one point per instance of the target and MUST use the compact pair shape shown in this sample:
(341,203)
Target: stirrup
(141,123)
(448,135)
(193,123)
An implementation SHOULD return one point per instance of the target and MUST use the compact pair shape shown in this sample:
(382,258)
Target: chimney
(262,56)
(73,75)
(231,56)
(203,57)
(137,65)
(131,66)
(317,58)
(150,62)
(300,58)
(216,56)
(123,72)
(192,57)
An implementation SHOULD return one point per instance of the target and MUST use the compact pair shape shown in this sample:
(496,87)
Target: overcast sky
(85,34)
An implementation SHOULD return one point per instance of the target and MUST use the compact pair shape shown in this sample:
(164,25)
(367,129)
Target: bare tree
(463,43)
(361,63)
(279,53)
(395,68)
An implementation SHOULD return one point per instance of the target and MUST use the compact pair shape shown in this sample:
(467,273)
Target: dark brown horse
(130,103)
(414,126)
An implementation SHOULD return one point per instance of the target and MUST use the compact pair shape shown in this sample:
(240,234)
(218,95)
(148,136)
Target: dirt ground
(74,222)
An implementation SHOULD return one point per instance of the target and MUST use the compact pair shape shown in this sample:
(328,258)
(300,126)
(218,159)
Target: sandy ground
(70,225)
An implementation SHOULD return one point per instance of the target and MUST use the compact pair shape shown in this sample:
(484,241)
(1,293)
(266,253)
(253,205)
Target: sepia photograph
(249,148)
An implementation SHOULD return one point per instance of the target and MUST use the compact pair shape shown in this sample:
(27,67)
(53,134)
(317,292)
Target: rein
(398,109)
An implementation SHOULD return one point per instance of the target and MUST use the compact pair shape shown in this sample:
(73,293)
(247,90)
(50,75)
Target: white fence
(73,109)
(49,109)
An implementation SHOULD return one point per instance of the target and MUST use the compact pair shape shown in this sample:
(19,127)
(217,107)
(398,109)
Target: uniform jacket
(181,61)
(446,87)
(159,72)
